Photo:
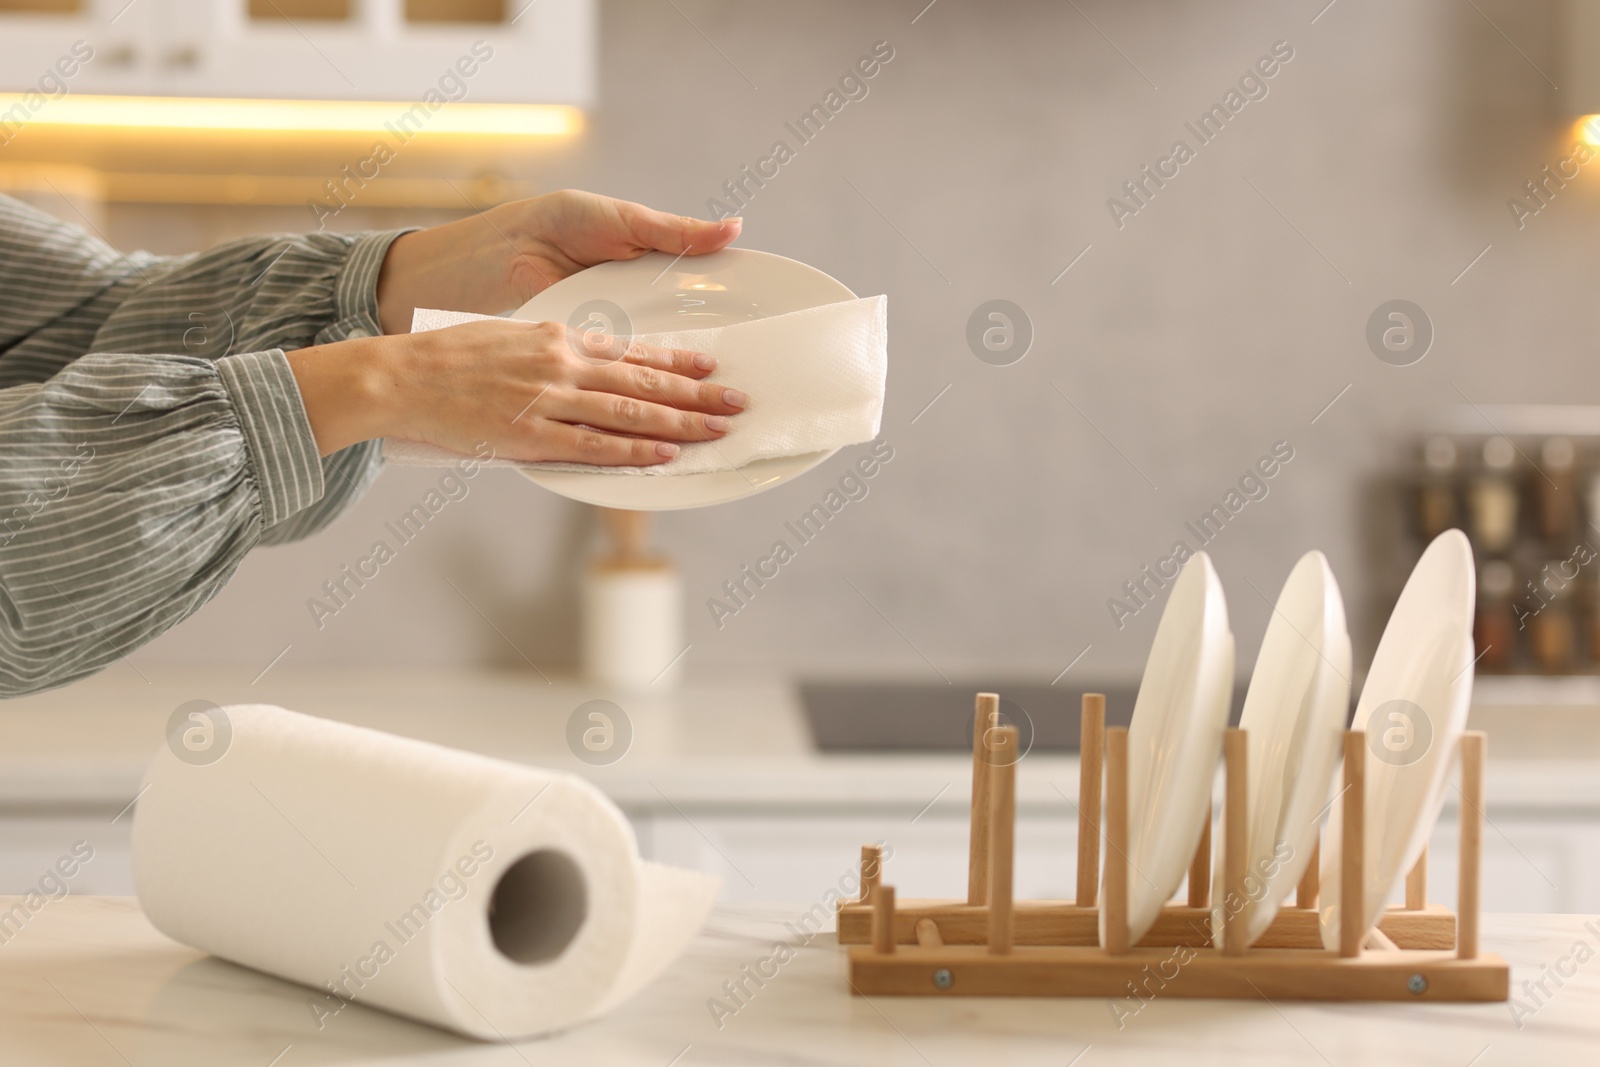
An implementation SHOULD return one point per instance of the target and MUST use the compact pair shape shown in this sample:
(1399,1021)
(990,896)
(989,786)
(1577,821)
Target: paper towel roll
(486,897)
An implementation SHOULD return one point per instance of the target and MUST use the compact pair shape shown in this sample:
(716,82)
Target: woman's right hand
(531,391)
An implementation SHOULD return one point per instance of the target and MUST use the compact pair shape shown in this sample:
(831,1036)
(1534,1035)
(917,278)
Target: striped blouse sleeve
(151,431)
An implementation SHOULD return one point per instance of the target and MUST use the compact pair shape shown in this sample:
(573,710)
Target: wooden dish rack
(993,945)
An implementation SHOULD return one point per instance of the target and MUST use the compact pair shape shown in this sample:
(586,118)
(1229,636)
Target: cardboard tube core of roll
(538,906)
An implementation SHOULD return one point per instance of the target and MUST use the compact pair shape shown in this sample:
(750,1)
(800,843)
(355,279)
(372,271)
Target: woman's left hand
(498,259)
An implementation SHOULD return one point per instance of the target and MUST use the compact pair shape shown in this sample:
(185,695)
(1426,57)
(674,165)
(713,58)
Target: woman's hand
(497,260)
(532,391)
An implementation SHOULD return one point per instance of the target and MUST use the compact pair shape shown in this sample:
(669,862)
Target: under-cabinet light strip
(319,116)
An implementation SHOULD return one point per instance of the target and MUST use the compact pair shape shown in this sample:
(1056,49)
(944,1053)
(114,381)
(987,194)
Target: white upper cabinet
(486,51)
(42,42)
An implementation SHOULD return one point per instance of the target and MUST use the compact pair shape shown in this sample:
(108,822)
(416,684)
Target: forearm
(460,266)
(252,295)
(133,486)
(348,389)
(56,281)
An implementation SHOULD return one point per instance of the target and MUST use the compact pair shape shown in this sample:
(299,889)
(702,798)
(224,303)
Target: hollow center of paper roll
(538,906)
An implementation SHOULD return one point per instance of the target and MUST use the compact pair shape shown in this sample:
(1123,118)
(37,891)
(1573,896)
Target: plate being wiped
(658,293)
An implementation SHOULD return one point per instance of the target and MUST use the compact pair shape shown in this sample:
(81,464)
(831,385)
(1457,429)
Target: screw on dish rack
(943,979)
(1417,984)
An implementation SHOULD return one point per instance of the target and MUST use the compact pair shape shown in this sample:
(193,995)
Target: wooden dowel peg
(1115,902)
(1200,866)
(1474,751)
(1305,895)
(985,716)
(928,934)
(871,870)
(1417,883)
(1236,901)
(1002,827)
(1091,762)
(883,919)
(1352,848)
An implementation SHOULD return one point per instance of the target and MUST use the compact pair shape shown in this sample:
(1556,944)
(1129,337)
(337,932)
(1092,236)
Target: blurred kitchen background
(1431,153)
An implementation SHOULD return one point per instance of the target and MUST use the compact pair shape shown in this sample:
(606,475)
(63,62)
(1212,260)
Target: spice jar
(1552,633)
(1492,498)
(1555,489)
(1437,507)
(1494,627)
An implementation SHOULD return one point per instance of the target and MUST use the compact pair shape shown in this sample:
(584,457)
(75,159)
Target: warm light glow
(1589,129)
(319,116)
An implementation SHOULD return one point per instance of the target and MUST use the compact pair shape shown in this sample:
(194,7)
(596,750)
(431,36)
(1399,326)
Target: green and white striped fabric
(151,432)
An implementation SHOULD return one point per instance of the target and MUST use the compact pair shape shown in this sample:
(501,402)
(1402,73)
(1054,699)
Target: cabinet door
(485,51)
(1530,863)
(33,846)
(42,40)
(799,859)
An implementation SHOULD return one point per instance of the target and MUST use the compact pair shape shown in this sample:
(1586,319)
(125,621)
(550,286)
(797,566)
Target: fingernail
(717,423)
(705,362)
(734,218)
(665,450)
(734,398)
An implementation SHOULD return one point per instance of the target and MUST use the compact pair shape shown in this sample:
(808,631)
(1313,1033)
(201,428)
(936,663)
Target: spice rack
(1524,483)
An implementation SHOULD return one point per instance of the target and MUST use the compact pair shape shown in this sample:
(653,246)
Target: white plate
(656,293)
(1294,714)
(1174,741)
(1414,708)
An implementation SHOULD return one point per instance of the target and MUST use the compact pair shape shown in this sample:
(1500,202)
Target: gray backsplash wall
(1218,320)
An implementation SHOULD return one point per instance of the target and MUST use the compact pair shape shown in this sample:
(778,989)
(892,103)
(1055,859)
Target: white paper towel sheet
(815,379)
(487,897)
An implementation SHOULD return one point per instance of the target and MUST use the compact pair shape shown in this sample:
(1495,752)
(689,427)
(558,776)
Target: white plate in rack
(1413,708)
(1294,715)
(657,293)
(1174,741)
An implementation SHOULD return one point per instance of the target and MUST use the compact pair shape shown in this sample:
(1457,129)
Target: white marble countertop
(89,982)
(735,743)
